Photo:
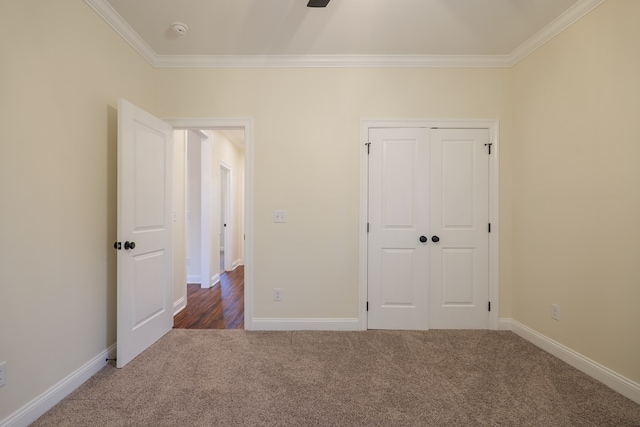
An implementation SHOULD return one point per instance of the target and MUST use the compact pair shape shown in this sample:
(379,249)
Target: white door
(459,260)
(428,236)
(144,231)
(398,216)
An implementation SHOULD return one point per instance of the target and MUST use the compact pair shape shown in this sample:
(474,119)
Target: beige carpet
(432,378)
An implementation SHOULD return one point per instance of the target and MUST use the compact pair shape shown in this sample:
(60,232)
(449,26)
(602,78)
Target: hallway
(219,307)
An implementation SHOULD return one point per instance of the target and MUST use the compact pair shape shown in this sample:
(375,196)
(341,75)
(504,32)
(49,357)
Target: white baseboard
(305,324)
(626,387)
(47,400)
(237,263)
(179,305)
(195,278)
(504,324)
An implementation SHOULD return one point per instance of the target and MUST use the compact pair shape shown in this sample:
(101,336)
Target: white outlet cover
(3,373)
(279,216)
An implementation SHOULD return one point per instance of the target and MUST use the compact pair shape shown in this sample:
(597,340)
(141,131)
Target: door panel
(398,214)
(145,308)
(459,275)
(432,183)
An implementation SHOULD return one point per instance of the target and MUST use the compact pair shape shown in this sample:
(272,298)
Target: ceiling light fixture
(179,28)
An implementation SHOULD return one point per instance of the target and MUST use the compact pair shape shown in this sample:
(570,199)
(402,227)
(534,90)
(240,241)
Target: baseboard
(179,305)
(47,400)
(305,324)
(237,263)
(504,324)
(195,278)
(626,387)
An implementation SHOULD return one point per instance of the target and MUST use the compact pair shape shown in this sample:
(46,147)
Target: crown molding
(573,14)
(115,21)
(328,61)
(555,27)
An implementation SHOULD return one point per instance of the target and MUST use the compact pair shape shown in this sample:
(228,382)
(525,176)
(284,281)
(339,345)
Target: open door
(145,308)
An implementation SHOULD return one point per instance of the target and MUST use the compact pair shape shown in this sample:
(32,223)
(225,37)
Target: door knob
(129,245)
(117,245)
(423,239)
(434,239)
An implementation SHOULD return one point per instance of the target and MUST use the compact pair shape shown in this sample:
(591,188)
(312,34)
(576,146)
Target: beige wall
(306,156)
(61,72)
(576,188)
(568,180)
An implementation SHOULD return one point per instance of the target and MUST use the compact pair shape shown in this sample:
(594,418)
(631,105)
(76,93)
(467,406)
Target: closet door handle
(129,245)
(434,239)
(423,239)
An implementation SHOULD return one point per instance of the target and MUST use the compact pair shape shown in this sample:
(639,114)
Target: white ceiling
(346,32)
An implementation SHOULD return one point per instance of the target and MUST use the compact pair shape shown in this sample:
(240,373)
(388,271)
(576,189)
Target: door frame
(225,194)
(245,124)
(494,205)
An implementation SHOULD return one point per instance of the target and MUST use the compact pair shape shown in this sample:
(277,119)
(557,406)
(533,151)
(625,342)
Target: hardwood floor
(220,307)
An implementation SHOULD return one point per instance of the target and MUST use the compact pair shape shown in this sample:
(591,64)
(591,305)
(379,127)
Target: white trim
(47,400)
(504,324)
(306,324)
(247,125)
(120,26)
(237,263)
(564,21)
(555,27)
(230,207)
(332,61)
(179,305)
(626,387)
(215,279)
(494,205)
(194,278)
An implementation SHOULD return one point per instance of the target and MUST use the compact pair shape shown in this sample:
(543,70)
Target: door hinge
(368,144)
(367,227)
(489,227)
(367,305)
(489,144)
(489,307)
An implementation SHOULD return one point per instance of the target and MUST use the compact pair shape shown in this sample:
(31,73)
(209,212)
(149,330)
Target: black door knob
(423,239)
(117,245)
(435,239)
(129,245)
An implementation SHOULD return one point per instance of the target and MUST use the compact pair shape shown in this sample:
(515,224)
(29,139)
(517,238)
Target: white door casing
(246,227)
(145,162)
(398,215)
(458,260)
(227,225)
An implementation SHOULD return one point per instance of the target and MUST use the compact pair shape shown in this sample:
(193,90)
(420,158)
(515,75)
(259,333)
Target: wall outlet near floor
(277,294)
(555,311)
(3,373)
(279,216)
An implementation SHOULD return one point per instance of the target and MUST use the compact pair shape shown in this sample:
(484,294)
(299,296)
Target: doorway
(227,195)
(429,225)
(226,220)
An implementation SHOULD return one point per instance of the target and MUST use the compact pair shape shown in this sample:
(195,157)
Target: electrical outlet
(555,311)
(277,294)
(279,216)
(3,373)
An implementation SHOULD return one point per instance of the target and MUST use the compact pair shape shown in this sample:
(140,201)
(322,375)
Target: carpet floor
(366,378)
